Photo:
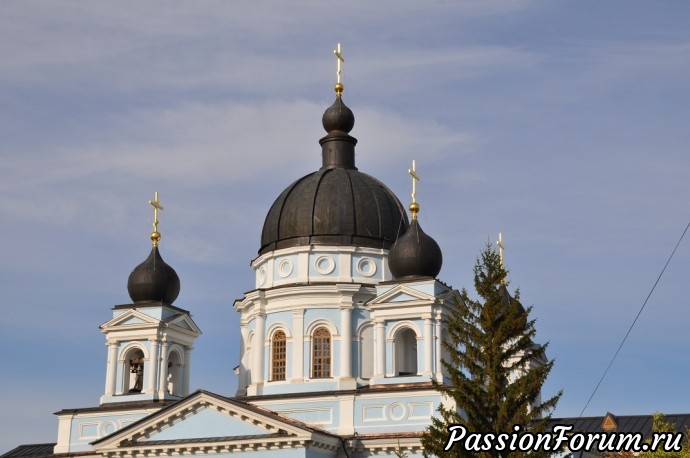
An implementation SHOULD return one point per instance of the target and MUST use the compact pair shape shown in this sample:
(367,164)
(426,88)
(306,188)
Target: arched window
(321,353)
(174,376)
(278,356)
(406,352)
(134,372)
(366,352)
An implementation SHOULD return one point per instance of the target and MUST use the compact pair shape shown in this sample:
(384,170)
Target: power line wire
(635,320)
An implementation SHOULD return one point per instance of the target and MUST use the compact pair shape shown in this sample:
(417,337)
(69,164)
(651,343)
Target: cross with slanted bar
(341,59)
(156,206)
(499,242)
(415,179)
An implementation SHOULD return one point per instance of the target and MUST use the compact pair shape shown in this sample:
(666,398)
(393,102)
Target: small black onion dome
(507,298)
(338,117)
(153,281)
(415,254)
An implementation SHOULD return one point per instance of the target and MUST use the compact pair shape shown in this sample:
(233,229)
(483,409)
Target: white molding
(122,354)
(318,323)
(403,324)
(276,327)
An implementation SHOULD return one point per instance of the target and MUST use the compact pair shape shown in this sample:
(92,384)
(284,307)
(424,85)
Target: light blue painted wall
(154,312)
(331,315)
(86,430)
(359,317)
(284,318)
(208,423)
(394,413)
(312,262)
(375,259)
(325,413)
(276,267)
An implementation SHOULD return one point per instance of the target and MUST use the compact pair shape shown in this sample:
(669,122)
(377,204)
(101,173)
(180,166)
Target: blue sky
(561,124)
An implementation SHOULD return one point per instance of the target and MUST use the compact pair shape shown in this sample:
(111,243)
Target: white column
(428,343)
(162,382)
(346,342)
(259,340)
(380,353)
(439,352)
(184,391)
(111,370)
(153,366)
(297,364)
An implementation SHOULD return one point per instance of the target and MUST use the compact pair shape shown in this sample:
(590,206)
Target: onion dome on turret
(415,254)
(153,280)
(336,205)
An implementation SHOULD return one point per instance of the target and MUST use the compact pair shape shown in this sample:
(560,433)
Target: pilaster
(297,364)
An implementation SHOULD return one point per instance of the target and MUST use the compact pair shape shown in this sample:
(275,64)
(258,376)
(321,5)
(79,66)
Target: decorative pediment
(185,322)
(609,424)
(131,317)
(402,293)
(212,423)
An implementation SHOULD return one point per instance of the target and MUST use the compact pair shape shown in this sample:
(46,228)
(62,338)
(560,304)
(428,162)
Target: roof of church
(338,204)
(30,451)
(114,407)
(623,423)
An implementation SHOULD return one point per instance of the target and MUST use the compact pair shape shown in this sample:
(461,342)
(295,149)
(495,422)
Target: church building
(341,337)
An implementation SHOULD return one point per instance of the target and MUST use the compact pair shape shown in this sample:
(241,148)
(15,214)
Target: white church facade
(341,337)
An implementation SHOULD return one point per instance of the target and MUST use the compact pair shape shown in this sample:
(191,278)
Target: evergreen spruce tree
(489,350)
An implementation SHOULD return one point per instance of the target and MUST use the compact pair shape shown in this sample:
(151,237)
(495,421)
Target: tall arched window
(321,353)
(366,352)
(174,376)
(134,372)
(405,352)
(278,356)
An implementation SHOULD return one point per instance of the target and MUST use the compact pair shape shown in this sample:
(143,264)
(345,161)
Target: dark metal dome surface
(153,280)
(415,254)
(337,205)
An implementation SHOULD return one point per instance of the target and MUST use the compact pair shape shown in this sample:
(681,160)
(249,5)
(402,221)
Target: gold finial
(414,206)
(501,247)
(339,57)
(155,235)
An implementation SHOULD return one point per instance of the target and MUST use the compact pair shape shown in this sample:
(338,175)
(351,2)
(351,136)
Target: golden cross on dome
(501,247)
(415,179)
(414,206)
(340,59)
(155,203)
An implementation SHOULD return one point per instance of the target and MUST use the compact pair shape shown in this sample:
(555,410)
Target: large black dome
(336,205)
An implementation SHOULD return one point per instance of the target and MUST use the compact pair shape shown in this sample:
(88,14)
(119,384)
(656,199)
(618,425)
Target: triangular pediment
(402,293)
(132,320)
(185,322)
(221,424)
(131,317)
(206,421)
(609,423)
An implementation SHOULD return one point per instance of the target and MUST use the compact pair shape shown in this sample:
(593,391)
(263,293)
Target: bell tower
(150,340)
